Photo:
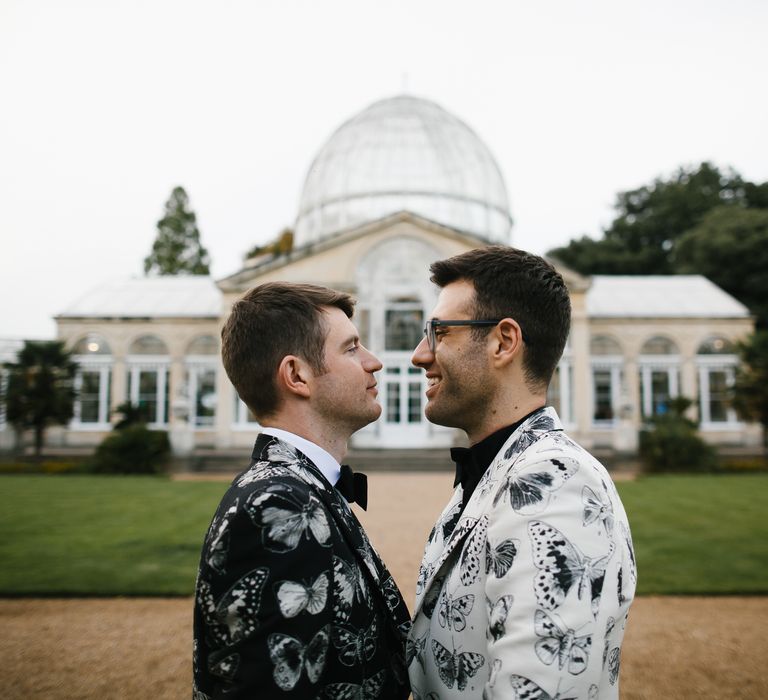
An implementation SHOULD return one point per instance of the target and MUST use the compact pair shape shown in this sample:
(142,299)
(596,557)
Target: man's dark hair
(513,283)
(269,322)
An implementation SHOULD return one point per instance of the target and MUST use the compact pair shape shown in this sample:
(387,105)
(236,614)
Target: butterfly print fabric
(514,597)
(291,599)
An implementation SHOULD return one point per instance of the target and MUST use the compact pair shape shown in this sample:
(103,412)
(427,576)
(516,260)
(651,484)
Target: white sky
(106,105)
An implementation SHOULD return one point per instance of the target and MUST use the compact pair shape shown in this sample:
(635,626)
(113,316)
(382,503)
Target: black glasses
(433,323)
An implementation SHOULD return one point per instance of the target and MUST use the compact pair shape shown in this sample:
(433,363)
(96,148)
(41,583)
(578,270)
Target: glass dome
(404,154)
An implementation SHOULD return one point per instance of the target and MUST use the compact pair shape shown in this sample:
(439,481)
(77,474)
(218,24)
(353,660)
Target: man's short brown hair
(512,283)
(269,322)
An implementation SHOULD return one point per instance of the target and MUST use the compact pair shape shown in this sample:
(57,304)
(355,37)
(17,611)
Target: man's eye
(353,348)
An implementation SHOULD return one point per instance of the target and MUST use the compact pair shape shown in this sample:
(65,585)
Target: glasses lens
(429,330)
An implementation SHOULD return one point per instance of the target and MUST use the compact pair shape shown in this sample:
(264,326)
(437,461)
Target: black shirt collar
(473,462)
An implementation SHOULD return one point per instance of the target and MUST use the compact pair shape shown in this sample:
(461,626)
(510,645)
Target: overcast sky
(105,106)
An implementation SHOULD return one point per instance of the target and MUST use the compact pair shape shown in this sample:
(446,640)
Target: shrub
(49,466)
(132,450)
(745,465)
(671,443)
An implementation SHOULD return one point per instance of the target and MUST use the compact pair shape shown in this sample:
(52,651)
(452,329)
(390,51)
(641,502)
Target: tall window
(201,364)
(716,363)
(559,394)
(403,389)
(404,325)
(147,365)
(362,321)
(659,366)
(606,359)
(92,382)
(243,416)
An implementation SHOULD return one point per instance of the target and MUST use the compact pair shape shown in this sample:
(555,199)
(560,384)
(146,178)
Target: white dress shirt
(328,466)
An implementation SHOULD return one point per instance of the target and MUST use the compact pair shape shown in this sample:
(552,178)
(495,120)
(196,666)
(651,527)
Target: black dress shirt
(472,462)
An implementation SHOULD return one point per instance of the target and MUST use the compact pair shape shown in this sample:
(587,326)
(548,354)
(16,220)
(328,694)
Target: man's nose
(372,363)
(422,355)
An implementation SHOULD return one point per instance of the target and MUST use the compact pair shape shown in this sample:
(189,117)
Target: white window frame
(565,378)
(242,415)
(615,365)
(647,364)
(705,364)
(194,366)
(102,365)
(150,363)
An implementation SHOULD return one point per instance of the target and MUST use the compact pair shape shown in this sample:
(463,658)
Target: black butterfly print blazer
(291,600)
(525,593)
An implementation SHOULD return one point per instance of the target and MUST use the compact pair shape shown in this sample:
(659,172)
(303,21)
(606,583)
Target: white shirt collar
(327,465)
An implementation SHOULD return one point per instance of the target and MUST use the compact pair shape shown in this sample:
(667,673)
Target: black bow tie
(465,464)
(353,486)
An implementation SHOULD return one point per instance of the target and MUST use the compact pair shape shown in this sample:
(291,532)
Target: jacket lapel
(518,442)
(272,449)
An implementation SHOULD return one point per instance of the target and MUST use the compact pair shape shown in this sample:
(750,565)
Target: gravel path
(140,648)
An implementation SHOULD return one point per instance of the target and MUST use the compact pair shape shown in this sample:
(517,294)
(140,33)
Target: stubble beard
(461,405)
(348,419)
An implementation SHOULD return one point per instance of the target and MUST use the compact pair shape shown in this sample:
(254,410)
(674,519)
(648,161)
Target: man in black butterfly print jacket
(292,601)
(528,574)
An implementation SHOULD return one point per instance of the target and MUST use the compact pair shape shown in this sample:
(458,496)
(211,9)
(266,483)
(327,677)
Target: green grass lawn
(91,535)
(102,535)
(700,534)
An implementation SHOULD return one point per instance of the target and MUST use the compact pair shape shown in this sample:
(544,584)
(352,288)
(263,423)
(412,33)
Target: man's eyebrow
(352,339)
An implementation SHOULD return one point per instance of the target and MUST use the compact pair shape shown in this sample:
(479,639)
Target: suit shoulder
(266,476)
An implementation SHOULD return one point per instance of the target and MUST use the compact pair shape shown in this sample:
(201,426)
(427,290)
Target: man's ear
(507,342)
(293,375)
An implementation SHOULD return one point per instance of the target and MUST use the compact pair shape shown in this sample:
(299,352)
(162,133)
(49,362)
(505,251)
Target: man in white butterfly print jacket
(291,600)
(528,574)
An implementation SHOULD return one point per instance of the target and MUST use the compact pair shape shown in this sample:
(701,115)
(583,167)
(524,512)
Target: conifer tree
(177,249)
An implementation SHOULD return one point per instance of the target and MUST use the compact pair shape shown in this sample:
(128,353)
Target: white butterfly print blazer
(292,601)
(526,593)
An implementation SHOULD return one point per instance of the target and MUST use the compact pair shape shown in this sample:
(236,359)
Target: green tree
(177,249)
(730,247)
(750,392)
(130,415)
(40,389)
(651,219)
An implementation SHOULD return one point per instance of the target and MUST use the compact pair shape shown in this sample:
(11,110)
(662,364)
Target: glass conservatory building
(397,186)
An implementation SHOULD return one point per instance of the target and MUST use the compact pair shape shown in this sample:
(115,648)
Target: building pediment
(283,265)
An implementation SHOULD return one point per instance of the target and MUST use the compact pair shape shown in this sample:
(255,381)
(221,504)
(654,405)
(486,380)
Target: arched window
(91,345)
(148,345)
(392,284)
(659,366)
(147,367)
(717,345)
(716,363)
(201,364)
(203,345)
(606,360)
(92,382)
(659,345)
(602,345)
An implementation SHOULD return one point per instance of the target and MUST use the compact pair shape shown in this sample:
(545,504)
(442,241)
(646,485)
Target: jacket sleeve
(551,582)
(264,596)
